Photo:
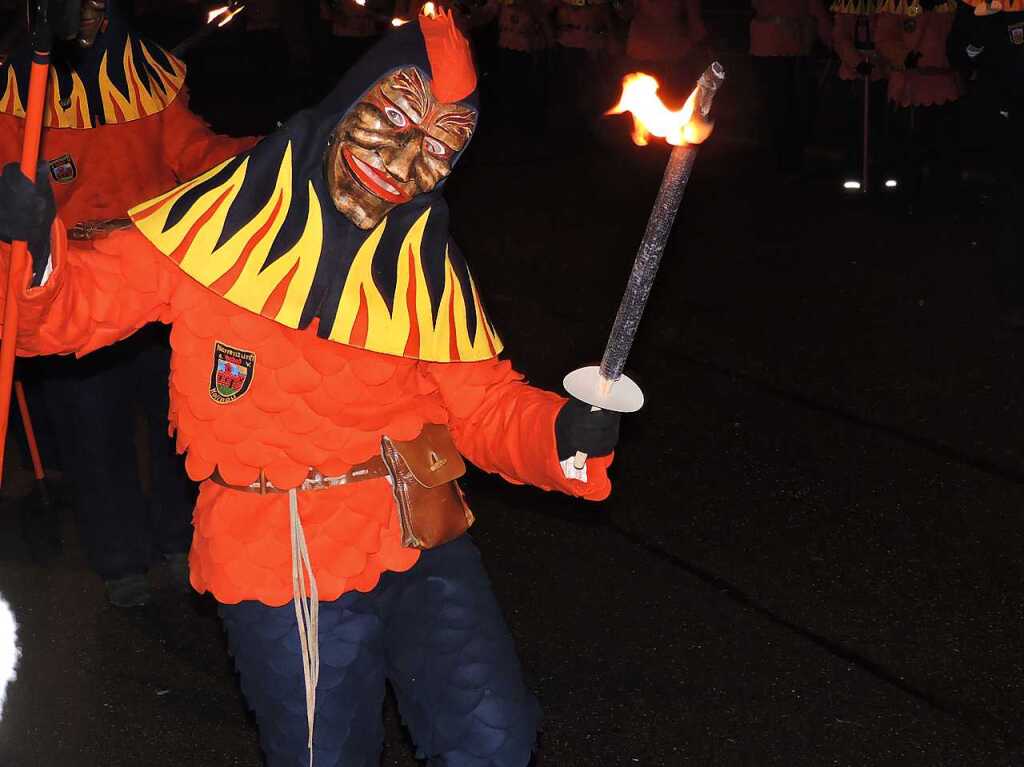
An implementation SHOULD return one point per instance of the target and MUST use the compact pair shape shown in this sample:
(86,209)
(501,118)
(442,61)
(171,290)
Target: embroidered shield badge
(232,373)
(63,169)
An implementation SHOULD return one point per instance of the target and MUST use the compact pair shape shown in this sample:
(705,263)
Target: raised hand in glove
(864,68)
(911,61)
(27,212)
(577,429)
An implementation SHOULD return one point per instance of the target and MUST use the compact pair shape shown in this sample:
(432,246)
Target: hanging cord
(307,612)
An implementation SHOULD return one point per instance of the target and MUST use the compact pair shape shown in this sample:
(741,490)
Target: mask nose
(400,163)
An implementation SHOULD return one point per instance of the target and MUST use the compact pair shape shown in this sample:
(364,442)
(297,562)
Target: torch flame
(652,118)
(397,22)
(225,13)
(429,10)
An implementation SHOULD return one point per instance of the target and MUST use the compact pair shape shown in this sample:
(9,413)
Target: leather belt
(372,469)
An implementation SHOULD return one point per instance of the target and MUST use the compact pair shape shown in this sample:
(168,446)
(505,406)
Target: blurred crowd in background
(891,70)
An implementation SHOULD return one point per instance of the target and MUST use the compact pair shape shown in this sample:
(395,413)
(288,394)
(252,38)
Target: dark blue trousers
(435,633)
(93,403)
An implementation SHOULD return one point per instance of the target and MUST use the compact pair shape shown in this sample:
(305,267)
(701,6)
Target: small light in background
(851,185)
(891,183)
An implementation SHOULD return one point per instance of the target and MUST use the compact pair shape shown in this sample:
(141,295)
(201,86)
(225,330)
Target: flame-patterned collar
(914,8)
(855,7)
(261,231)
(121,79)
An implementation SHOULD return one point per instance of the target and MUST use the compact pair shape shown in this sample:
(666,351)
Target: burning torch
(604,387)
(215,19)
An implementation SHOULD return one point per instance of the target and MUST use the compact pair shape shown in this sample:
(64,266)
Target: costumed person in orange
(782,38)
(117,130)
(662,33)
(324,325)
(924,88)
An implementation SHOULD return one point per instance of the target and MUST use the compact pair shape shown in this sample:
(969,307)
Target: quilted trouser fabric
(435,632)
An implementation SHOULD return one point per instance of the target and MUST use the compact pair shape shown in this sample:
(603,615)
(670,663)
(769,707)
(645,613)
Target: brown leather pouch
(423,471)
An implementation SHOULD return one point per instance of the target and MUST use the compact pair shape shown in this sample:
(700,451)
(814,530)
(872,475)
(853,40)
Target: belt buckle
(315,481)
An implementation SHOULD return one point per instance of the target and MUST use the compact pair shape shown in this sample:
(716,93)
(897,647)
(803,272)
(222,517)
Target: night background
(812,554)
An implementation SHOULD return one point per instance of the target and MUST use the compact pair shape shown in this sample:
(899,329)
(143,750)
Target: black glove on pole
(27,211)
(579,428)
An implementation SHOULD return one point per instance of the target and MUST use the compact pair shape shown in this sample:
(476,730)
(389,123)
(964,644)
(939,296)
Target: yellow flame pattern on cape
(117,106)
(913,7)
(237,271)
(855,7)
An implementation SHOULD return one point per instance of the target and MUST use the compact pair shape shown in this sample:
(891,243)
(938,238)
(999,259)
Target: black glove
(577,429)
(27,213)
(911,61)
(864,69)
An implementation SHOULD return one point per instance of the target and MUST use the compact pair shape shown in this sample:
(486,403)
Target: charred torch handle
(707,87)
(659,226)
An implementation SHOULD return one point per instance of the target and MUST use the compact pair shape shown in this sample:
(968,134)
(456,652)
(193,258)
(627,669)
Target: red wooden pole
(19,249)
(30,432)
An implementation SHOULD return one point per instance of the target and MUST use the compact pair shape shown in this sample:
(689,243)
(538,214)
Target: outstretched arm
(79,298)
(97,293)
(505,426)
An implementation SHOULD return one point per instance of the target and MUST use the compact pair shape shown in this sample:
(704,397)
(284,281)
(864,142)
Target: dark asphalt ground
(813,552)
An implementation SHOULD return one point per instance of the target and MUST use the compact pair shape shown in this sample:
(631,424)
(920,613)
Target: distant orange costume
(847,16)
(664,30)
(904,28)
(788,27)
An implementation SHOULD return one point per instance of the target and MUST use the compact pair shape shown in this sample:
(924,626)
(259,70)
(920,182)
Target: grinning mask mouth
(396,143)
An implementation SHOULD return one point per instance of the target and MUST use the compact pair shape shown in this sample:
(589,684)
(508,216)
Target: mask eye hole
(435,147)
(395,117)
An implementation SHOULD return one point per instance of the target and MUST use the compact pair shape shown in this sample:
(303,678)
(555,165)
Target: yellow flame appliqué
(238,271)
(10,102)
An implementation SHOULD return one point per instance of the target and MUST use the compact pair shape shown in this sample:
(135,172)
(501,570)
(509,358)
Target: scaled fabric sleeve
(190,147)
(98,292)
(507,427)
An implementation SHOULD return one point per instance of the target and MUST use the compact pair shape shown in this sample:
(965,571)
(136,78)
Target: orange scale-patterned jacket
(308,403)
